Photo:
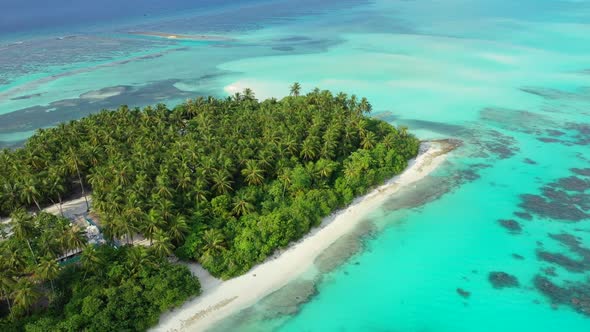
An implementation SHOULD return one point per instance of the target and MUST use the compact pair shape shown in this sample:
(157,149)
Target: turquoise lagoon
(510,80)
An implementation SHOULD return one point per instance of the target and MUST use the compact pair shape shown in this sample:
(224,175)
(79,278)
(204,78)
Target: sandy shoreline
(223,298)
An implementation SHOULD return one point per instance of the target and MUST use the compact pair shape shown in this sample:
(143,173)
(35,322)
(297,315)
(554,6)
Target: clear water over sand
(512,81)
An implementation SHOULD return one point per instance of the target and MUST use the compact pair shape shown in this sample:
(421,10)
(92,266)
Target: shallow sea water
(510,80)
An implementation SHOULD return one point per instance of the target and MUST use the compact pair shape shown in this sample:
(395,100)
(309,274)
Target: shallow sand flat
(179,36)
(221,299)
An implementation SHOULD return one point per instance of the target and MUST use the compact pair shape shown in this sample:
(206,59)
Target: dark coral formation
(579,134)
(573,183)
(566,199)
(549,140)
(552,209)
(516,120)
(574,245)
(469,174)
(581,171)
(502,280)
(517,256)
(463,293)
(555,133)
(503,146)
(582,137)
(576,295)
(512,225)
(523,215)
(562,260)
(550,271)
(545,92)
(555,293)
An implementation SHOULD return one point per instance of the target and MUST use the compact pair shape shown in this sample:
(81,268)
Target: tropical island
(223,182)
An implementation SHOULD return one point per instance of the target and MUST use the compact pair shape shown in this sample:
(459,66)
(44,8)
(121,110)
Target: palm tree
(73,238)
(54,182)
(163,185)
(90,260)
(29,192)
(295,89)
(213,243)
(350,171)
(368,140)
(403,130)
(309,148)
(324,168)
(72,162)
(23,228)
(248,94)
(285,178)
(253,173)
(48,269)
(242,205)
(364,107)
(178,228)
(113,227)
(137,259)
(389,141)
(200,193)
(25,294)
(291,145)
(221,182)
(128,229)
(14,260)
(184,180)
(152,223)
(165,208)
(162,246)
(7,282)
(10,193)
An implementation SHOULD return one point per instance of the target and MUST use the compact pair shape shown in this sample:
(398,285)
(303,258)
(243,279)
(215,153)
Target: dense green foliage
(223,182)
(109,289)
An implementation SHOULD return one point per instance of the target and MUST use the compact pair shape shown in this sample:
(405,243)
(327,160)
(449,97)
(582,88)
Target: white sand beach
(223,298)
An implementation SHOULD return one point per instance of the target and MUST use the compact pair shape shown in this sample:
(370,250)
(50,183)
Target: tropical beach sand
(223,298)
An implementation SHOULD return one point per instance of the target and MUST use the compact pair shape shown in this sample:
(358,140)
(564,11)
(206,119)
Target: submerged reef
(516,120)
(577,134)
(512,225)
(581,171)
(523,215)
(463,293)
(562,260)
(575,246)
(503,280)
(576,295)
(500,145)
(565,199)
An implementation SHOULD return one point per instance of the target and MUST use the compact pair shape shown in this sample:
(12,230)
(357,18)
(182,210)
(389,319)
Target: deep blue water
(29,16)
